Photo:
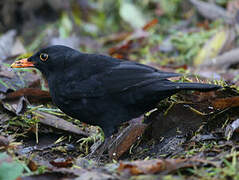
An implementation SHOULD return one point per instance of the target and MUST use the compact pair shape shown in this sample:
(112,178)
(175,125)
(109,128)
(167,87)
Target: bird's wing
(132,75)
(118,78)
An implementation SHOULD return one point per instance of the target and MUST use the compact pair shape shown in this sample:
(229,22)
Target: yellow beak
(23,63)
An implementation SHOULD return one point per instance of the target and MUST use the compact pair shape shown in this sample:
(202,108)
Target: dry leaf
(223,103)
(153,166)
(32,94)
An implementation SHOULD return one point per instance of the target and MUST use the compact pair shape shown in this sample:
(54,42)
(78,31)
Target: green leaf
(170,6)
(9,170)
(132,15)
(65,26)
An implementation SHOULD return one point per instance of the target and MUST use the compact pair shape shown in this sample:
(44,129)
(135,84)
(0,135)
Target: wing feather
(117,78)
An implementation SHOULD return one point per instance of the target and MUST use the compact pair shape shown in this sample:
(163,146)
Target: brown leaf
(153,166)
(204,24)
(223,103)
(32,165)
(49,176)
(32,94)
(115,38)
(150,24)
(62,163)
(125,139)
(59,123)
(122,49)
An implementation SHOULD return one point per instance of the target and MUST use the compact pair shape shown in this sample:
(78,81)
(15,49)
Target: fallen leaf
(49,176)
(17,106)
(223,103)
(32,94)
(231,128)
(94,175)
(212,11)
(223,61)
(150,24)
(213,47)
(32,165)
(12,80)
(59,123)
(132,14)
(62,163)
(124,35)
(153,166)
(130,40)
(116,38)
(126,139)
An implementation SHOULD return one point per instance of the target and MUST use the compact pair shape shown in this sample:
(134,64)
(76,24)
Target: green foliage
(9,170)
(65,26)
(132,14)
(222,2)
(41,169)
(229,171)
(188,44)
(170,7)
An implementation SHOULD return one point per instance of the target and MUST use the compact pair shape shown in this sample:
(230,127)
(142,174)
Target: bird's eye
(43,56)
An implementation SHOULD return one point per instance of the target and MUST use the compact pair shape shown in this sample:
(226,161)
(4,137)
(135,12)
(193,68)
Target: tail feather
(197,86)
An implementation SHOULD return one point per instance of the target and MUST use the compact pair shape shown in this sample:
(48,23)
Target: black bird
(102,90)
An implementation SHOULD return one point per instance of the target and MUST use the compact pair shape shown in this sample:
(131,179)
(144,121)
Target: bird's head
(47,60)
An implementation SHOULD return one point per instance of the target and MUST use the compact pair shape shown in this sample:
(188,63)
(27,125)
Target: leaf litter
(186,135)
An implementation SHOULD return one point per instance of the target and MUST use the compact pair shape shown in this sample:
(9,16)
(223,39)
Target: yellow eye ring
(43,56)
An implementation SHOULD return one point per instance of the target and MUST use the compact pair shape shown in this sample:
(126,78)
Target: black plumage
(101,90)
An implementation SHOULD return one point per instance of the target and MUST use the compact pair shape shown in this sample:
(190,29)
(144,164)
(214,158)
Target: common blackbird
(102,90)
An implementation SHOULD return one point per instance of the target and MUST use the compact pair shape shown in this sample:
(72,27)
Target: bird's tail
(197,86)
